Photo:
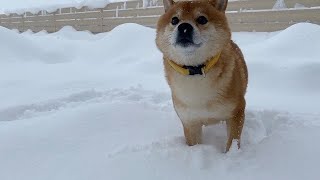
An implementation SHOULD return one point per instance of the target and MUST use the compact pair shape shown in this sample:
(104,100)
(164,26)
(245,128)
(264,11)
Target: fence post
(117,12)
(10,21)
(23,26)
(54,21)
(101,19)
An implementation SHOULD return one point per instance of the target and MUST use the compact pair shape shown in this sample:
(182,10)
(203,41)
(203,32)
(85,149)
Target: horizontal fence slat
(39,23)
(80,22)
(137,20)
(11,20)
(255,4)
(49,29)
(274,16)
(75,10)
(134,4)
(34,14)
(86,15)
(93,29)
(306,3)
(260,27)
(264,4)
(65,10)
(141,12)
(40,18)
(118,5)
(109,13)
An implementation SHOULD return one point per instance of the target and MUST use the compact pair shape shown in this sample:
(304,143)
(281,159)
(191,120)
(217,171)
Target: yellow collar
(193,70)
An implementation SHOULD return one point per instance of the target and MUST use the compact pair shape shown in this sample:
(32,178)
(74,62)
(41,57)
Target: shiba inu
(204,68)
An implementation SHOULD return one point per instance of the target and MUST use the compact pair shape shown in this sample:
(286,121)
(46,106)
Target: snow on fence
(249,15)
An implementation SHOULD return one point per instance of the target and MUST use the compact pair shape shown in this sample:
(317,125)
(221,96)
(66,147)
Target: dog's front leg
(193,133)
(234,128)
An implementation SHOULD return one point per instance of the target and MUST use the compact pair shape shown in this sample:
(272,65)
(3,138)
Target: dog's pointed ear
(221,5)
(167,4)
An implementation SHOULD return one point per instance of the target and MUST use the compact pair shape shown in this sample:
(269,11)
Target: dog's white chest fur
(196,93)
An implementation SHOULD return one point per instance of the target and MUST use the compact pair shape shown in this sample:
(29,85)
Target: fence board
(133,4)
(49,29)
(137,20)
(141,12)
(118,5)
(263,4)
(93,29)
(79,15)
(257,5)
(306,3)
(11,20)
(65,10)
(80,22)
(40,18)
(109,13)
(75,10)
(275,16)
(39,23)
(259,27)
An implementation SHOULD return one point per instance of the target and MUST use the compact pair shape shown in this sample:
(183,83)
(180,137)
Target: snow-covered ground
(20,6)
(77,106)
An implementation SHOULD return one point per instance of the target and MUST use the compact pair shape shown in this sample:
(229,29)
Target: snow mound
(288,61)
(80,106)
(68,32)
(34,6)
(42,33)
(10,42)
(302,39)
(138,39)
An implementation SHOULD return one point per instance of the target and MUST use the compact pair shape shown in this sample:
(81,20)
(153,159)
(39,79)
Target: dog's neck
(196,70)
(192,59)
(198,57)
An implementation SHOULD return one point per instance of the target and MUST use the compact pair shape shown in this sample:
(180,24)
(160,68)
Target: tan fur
(220,95)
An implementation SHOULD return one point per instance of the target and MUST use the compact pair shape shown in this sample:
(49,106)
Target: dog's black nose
(185,29)
(185,34)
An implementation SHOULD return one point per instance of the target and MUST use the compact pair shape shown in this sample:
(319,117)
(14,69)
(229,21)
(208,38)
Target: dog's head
(191,32)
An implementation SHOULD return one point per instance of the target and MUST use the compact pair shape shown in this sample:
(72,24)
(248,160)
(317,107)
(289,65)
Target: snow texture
(34,6)
(280,4)
(78,106)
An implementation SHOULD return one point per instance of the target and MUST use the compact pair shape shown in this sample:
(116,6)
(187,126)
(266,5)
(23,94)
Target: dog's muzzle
(185,35)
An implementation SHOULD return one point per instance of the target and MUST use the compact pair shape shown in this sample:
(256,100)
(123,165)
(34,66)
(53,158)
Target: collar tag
(195,70)
(203,72)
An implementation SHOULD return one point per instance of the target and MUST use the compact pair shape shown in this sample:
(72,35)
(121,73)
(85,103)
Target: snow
(280,4)
(34,6)
(75,105)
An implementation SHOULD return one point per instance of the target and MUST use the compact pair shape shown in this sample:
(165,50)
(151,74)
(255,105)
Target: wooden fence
(244,15)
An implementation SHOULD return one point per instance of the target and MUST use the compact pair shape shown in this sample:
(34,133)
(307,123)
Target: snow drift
(80,106)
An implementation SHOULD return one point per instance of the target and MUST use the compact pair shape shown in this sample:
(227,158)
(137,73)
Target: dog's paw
(234,148)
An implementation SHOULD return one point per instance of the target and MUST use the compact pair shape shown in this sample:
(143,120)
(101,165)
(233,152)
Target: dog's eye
(174,21)
(202,20)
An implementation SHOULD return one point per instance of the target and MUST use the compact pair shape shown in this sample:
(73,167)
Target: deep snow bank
(81,106)
(34,6)
(283,66)
(300,41)
(284,69)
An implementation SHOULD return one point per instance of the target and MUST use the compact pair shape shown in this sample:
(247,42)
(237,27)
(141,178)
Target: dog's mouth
(186,43)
